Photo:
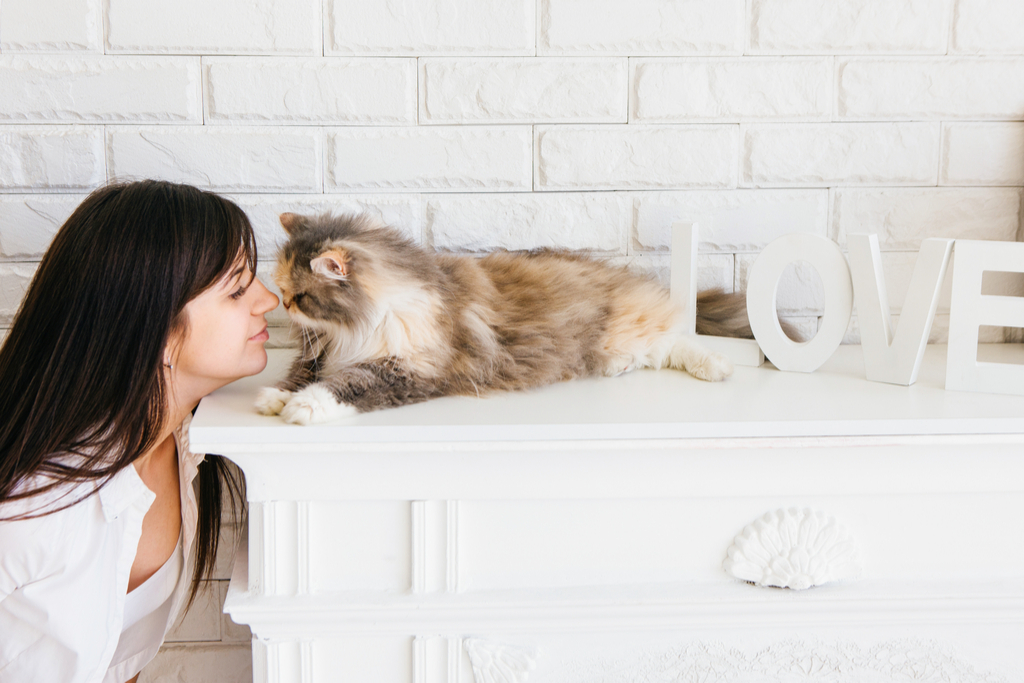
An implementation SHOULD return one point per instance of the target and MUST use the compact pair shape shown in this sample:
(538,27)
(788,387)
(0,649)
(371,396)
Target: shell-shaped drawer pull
(794,548)
(495,662)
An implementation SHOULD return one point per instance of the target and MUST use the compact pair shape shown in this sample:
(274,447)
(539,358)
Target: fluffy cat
(385,322)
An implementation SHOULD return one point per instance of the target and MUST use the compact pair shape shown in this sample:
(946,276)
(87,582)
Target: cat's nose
(286,302)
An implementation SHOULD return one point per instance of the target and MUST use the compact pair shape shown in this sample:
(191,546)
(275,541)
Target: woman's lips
(261,336)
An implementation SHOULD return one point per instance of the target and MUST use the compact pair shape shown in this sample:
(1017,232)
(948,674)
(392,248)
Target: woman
(145,302)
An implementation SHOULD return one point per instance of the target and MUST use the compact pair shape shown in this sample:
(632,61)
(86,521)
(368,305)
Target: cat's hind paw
(271,400)
(713,367)
(315,404)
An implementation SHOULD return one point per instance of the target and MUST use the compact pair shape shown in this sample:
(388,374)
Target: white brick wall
(481,124)
(327,90)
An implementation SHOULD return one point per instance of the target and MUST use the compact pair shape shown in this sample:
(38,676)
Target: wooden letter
(970,309)
(762,287)
(684,294)
(896,358)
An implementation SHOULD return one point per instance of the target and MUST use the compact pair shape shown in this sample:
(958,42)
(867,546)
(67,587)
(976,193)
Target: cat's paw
(315,404)
(712,367)
(270,400)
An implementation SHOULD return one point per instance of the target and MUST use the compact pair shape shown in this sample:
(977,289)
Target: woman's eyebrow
(232,278)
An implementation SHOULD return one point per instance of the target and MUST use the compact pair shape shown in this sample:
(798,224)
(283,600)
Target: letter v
(895,358)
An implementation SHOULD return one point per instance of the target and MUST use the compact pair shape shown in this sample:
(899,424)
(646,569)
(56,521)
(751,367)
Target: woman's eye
(238,294)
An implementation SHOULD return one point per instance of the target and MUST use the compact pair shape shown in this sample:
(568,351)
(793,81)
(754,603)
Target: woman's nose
(267,301)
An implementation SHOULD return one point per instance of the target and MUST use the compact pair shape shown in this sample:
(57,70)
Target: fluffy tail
(724,314)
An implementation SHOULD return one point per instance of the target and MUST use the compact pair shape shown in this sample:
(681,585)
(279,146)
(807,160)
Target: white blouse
(64,580)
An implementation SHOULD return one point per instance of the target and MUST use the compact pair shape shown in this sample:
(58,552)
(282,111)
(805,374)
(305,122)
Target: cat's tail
(724,314)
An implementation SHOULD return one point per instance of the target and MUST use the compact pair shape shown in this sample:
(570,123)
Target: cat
(385,322)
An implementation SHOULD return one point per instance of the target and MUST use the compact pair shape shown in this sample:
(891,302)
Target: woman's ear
(291,222)
(333,263)
(175,340)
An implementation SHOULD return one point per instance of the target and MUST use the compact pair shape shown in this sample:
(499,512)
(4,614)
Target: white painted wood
(597,546)
(430,549)
(430,660)
(969,309)
(896,357)
(647,404)
(685,238)
(683,286)
(762,286)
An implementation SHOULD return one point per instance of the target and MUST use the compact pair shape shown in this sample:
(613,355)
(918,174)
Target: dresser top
(836,400)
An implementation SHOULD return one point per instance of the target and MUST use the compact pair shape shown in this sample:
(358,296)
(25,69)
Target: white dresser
(578,534)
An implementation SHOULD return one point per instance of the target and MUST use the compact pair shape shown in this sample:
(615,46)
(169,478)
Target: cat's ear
(291,222)
(333,264)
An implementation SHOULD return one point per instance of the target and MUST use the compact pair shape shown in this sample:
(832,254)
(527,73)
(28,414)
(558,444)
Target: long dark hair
(83,390)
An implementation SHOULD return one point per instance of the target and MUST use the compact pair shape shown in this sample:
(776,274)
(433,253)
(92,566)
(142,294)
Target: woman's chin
(259,362)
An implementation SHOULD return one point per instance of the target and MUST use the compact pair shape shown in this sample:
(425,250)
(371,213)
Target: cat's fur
(385,322)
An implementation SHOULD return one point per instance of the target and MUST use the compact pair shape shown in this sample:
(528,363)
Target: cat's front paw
(713,367)
(270,400)
(315,404)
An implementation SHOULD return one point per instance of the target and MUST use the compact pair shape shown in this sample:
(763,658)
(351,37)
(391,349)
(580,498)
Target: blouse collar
(126,487)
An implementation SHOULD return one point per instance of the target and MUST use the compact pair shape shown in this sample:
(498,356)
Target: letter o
(762,289)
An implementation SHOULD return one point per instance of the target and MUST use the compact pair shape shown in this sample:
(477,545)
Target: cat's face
(323,273)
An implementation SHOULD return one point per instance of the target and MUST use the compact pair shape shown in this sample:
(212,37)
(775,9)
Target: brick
(714,271)
(327,90)
(929,88)
(730,89)
(100,89)
(201,623)
(400,211)
(29,222)
(729,220)
(14,282)
(236,159)
(69,25)
(823,154)
(982,154)
(597,222)
(580,90)
(411,27)
(636,157)
(799,292)
(222,27)
(988,27)
(207,663)
(904,217)
(51,158)
(437,158)
(641,27)
(850,26)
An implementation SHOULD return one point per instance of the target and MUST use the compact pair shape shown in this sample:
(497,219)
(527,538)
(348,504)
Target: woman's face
(226,333)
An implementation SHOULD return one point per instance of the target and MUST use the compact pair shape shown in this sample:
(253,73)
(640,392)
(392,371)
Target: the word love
(892,356)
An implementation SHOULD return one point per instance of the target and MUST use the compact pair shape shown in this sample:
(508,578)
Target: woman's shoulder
(51,496)
(34,533)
